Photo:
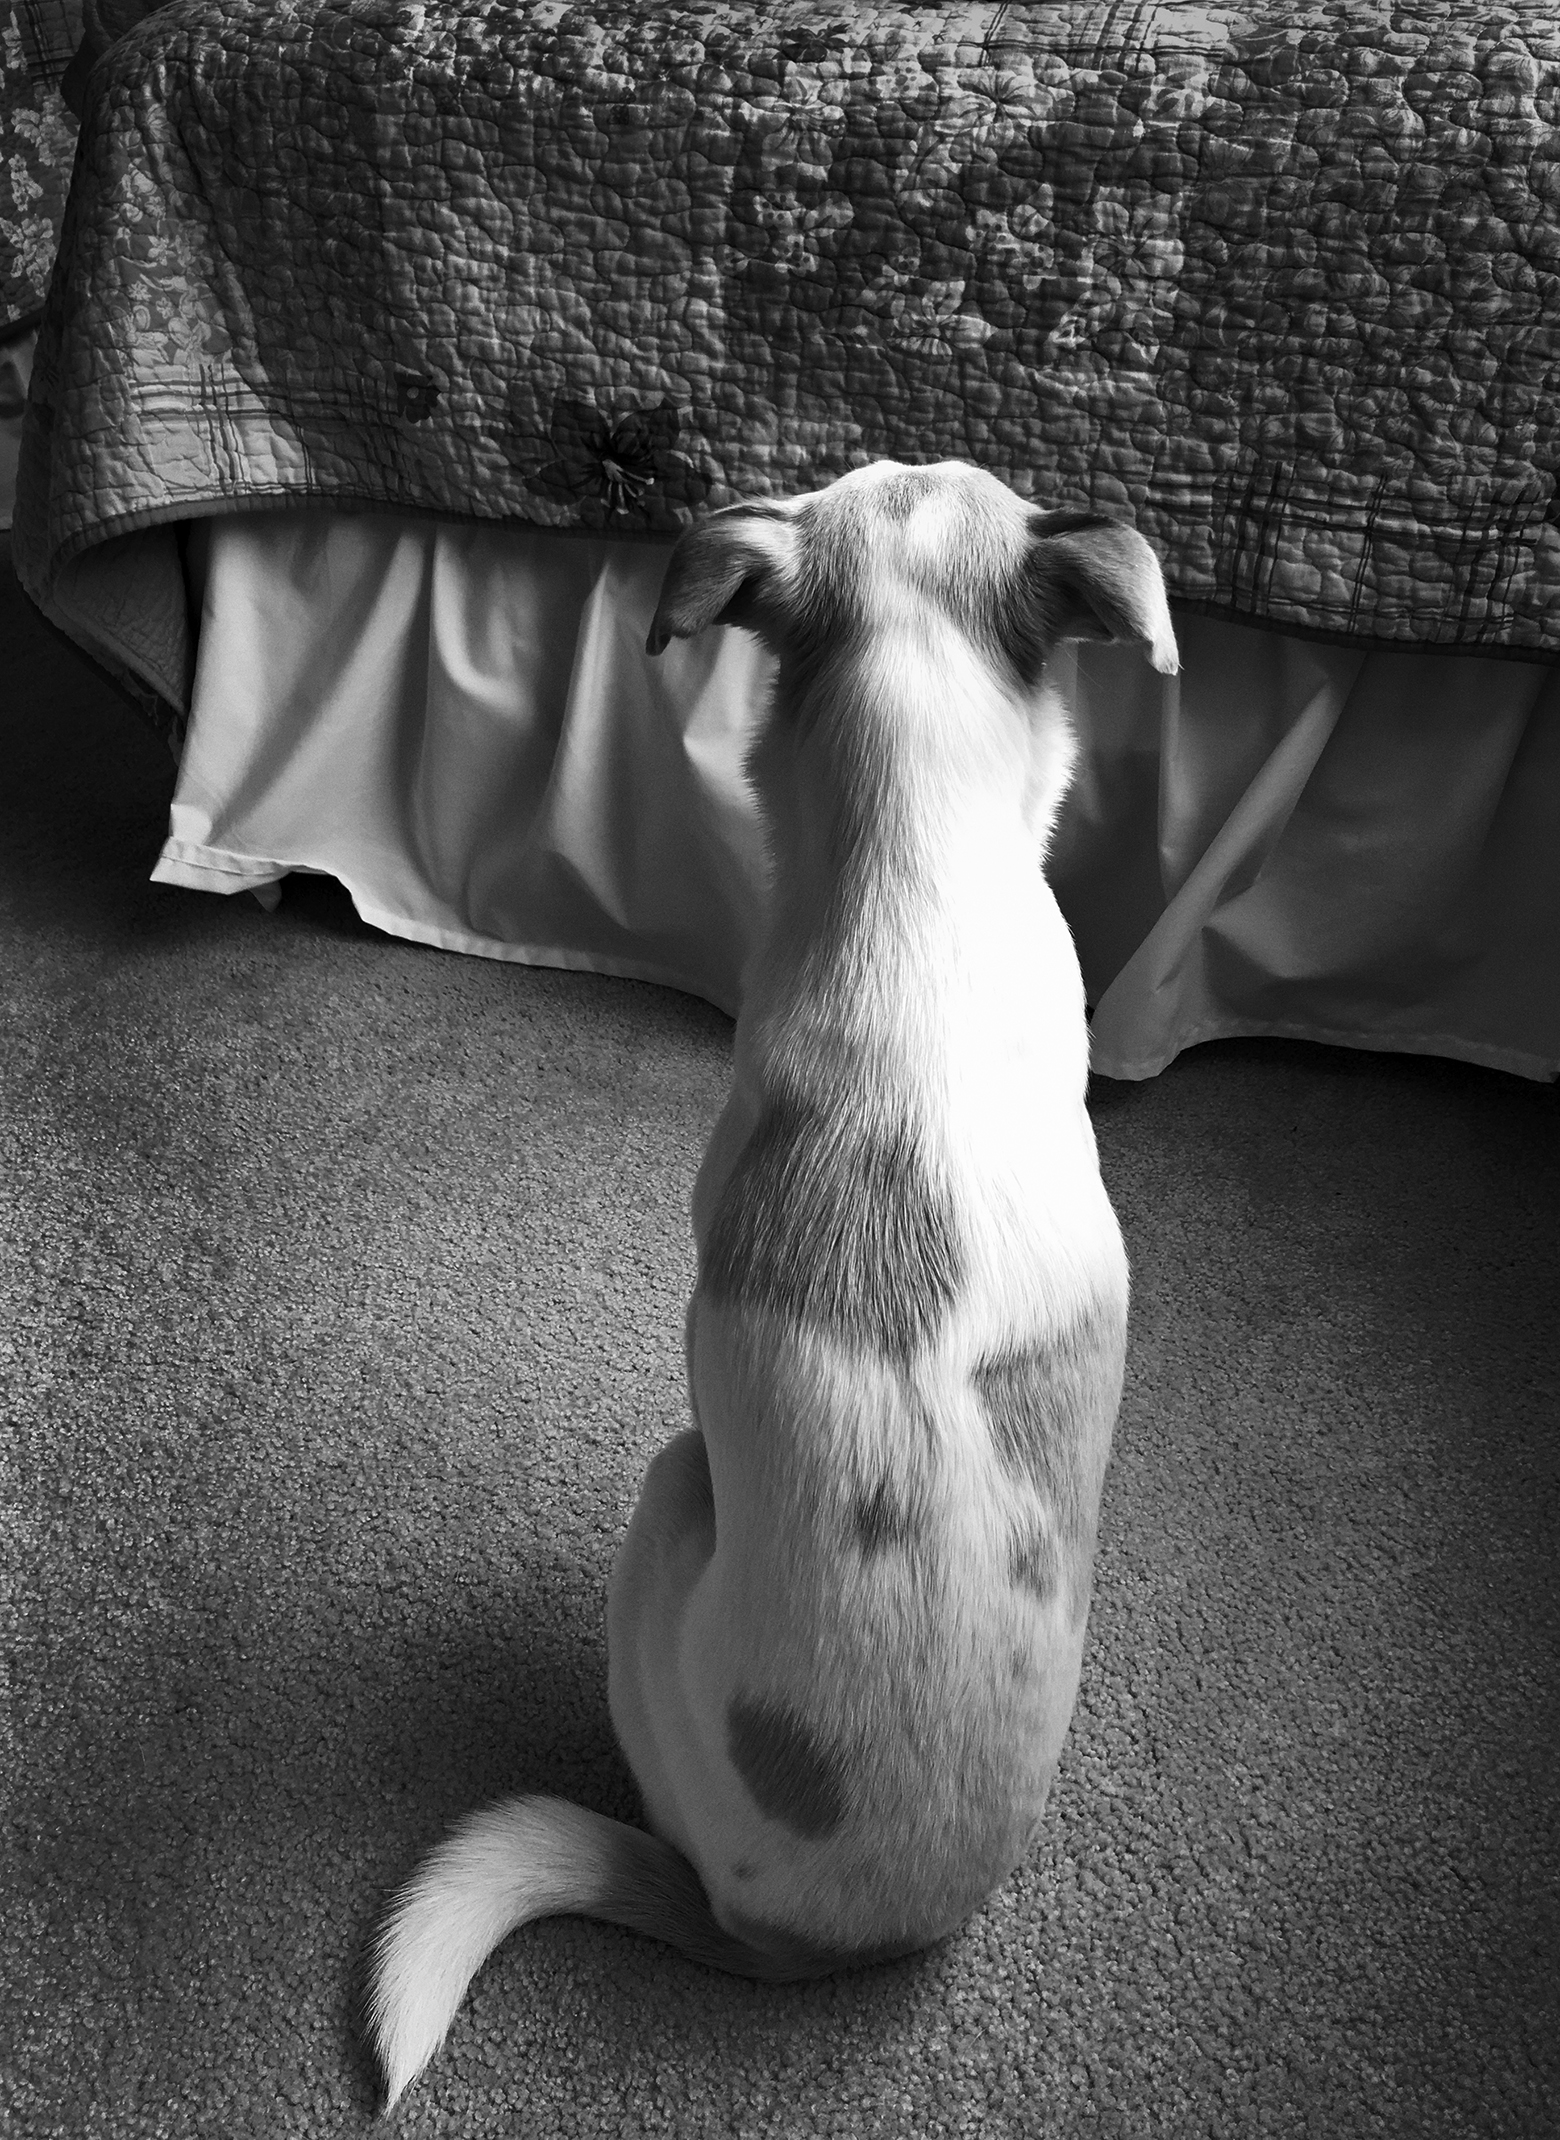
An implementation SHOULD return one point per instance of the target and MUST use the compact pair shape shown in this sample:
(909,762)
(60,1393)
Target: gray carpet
(344,1286)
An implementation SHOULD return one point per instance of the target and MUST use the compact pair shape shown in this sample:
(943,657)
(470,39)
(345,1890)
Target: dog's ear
(720,570)
(1086,577)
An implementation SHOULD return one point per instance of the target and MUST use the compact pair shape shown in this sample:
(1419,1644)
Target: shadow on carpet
(345,1286)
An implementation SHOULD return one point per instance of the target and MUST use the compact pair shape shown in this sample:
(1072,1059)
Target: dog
(846,1624)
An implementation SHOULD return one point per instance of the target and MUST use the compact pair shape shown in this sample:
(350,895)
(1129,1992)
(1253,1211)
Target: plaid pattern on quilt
(51,31)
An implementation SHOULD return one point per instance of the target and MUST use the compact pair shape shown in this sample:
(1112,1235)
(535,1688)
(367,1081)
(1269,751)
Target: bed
(391,342)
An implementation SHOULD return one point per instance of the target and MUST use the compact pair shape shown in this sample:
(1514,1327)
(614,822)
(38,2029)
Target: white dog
(846,1624)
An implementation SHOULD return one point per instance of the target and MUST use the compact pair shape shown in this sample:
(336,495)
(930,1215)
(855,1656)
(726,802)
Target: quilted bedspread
(1280,283)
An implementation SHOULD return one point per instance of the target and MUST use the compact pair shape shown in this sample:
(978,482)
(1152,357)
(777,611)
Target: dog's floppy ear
(719,570)
(1086,577)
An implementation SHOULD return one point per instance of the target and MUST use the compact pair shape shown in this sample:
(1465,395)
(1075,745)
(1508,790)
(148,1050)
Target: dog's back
(907,1339)
(846,1624)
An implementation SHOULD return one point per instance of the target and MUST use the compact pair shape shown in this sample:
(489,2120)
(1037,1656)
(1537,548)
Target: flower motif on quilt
(783,213)
(37,142)
(1020,241)
(184,317)
(989,112)
(786,238)
(807,46)
(176,311)
(617,468)
(1121,288)
(789,143)
(926,189)
(932,321)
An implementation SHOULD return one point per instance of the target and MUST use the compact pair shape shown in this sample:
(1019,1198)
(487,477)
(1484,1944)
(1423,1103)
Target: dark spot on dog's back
(884,1519)
(1034,1563)
(836,1225)
(1049,1407)
(794,1777)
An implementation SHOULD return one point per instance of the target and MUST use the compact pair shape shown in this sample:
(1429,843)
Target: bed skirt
(461,725)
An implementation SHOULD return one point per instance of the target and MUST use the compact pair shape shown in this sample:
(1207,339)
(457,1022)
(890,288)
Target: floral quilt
(37,143)
(1280,283)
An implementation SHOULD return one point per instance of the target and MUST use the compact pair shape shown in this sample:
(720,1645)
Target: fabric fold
(462,725)
(1147,997)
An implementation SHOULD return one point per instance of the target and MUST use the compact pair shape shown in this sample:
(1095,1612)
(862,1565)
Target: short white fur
(847,1621)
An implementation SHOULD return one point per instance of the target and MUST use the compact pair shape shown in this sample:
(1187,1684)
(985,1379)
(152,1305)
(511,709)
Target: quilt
(1281,284)
(37,143)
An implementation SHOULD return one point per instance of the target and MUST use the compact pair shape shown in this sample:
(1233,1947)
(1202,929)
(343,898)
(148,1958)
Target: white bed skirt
(462,725)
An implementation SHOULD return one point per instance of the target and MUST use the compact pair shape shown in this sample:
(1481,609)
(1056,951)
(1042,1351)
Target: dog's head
(888,548)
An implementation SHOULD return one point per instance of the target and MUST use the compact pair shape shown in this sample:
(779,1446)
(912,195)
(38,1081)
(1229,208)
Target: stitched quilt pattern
(1282,284)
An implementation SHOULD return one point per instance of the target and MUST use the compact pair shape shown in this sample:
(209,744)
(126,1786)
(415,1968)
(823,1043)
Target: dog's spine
(514,1861)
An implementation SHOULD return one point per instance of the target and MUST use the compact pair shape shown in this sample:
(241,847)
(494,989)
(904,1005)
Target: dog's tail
(525,1858)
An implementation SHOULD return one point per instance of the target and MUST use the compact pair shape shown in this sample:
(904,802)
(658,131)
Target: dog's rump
(869,1683)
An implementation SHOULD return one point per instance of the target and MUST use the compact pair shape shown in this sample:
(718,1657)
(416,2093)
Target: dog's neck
(909,807)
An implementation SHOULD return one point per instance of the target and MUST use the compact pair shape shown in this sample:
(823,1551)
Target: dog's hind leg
(670,1542)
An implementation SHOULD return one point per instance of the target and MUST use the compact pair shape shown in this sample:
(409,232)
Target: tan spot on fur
(833,1222)
(1034,1562)
(1050,1407)
(794,1776)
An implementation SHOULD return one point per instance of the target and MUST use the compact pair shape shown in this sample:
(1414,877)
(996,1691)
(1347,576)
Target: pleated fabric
(461,725)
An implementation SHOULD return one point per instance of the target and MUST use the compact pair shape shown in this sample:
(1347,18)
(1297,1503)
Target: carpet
(343,1310)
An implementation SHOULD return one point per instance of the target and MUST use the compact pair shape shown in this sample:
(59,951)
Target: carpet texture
(344,1286)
